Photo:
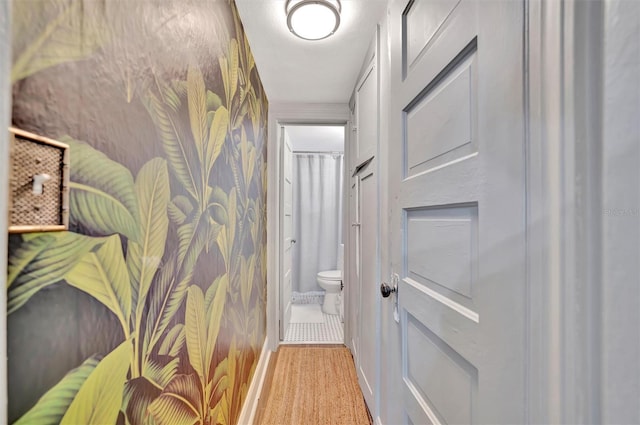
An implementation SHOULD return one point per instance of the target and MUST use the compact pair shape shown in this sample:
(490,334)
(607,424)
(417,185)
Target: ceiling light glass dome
(313,19)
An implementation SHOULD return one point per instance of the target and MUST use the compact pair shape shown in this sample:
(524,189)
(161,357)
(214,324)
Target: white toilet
(331,282)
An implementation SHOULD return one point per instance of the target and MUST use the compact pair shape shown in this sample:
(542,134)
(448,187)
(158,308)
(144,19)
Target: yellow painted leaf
(217,136)
(244,154)
(233,67)
(252,165)
(173,342)
(41,260)
(72,35)
(247,282)
(175,147)
(180,403)
(214,313)
(161,375)
(224,71)
(196,332)
(100,397)
(223,245)
(143,259)
(213,101)
(211,291)
(219,382)
(102,199)
(52,406)
(233,217)
(197,100)
(103,275)
(245,285)
(139,393)
(214,229)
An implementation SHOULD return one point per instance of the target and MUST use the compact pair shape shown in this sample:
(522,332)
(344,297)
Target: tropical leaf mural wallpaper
(151,309)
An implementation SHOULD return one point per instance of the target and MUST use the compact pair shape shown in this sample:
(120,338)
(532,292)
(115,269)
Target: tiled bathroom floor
(329,332)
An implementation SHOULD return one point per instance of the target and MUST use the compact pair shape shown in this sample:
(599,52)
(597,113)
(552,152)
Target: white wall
(316,138)
(5,121)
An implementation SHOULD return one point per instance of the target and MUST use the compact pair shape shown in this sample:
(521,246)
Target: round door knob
(293,241)
(386,290)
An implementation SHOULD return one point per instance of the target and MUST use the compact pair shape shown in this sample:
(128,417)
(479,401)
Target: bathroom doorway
(312,305)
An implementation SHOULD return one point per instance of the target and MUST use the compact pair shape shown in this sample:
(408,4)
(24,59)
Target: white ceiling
(316,138)
(298,71)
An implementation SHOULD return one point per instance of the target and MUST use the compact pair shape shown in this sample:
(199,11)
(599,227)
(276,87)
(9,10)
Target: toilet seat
(330,275)
(331,282)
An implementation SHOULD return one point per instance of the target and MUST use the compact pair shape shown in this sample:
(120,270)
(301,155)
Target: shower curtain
(317,217)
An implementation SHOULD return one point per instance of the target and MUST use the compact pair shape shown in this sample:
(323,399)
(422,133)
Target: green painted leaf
(159,300)
(102,197)
(161,375)
(173,342)
(196,332)
(179,403)
(74,34)
(168,294)
(214,313)
(52,406)
(212,235)
(103,275)
(192,239)
(100,397)
(173,143)
(213,101)
(139,393)
(42,260)
(143,259)
(179,208)
(218,204)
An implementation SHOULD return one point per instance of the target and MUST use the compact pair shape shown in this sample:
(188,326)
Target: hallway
(311,384)
(483,266)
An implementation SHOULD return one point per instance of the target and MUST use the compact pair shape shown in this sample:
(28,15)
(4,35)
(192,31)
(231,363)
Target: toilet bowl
(331,281)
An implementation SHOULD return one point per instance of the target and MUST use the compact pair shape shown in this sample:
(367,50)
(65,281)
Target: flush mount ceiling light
(313,19)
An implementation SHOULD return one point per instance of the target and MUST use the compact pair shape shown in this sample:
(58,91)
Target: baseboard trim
(248,412)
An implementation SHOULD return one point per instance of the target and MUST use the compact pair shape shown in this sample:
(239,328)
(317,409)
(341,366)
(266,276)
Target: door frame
(5,121)
(282,114)
(282,312)
(563,53)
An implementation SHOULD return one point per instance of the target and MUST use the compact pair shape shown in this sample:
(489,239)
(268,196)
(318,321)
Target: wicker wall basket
(35,158)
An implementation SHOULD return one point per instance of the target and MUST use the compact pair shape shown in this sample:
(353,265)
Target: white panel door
(367,114)
(287,232)
(458,209)
(367,208)
(369,297)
